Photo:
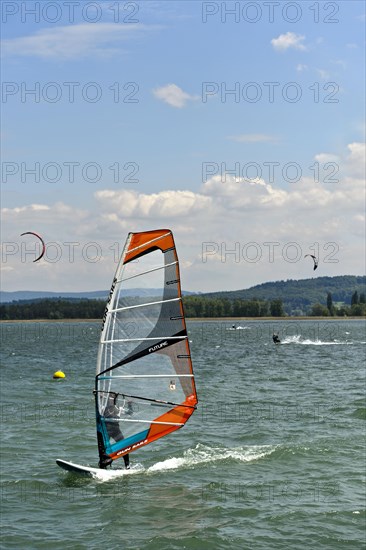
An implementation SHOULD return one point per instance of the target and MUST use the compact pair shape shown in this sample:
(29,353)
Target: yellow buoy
(59,374)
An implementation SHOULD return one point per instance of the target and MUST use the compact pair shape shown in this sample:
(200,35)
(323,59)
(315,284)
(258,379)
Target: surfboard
(77,468)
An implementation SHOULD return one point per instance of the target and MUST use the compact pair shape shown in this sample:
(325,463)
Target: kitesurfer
(276,338)
(113,412)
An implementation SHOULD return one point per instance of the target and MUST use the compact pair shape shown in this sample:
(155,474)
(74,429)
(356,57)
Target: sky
(238,125)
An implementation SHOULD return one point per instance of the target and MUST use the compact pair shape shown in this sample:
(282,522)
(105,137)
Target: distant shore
(224,319)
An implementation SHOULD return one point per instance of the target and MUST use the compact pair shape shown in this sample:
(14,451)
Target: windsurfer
(113,412)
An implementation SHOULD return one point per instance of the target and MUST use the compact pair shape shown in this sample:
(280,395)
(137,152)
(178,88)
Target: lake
(273,458)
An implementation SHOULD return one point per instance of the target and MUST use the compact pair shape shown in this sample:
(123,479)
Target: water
(272,459)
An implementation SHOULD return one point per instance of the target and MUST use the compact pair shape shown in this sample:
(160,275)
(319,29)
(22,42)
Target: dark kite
(314,258)
(42,241)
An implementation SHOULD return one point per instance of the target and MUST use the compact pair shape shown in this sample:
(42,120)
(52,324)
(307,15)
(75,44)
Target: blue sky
(242,132)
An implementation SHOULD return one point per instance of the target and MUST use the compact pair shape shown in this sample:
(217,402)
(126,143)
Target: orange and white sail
(144,386)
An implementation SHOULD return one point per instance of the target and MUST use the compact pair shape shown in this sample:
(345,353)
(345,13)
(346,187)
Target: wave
(296,339)
(238,328)
(201,454)
(359,413)
(108,475)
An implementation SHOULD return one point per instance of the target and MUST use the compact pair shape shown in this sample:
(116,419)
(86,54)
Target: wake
(308,342)
(201,454)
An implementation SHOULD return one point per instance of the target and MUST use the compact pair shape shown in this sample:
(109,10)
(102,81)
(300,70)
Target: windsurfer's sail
(144,382)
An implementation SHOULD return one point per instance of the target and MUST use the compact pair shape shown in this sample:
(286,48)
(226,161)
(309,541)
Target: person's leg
(126,458)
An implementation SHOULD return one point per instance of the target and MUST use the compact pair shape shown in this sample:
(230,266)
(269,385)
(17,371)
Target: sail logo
(158,346)
(109,301)
(131,448)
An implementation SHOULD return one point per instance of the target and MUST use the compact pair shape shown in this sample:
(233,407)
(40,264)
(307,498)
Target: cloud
(231,193)
(288,40)
(300,67)
(23,209)
(33,216)
(167,204)
(224,195)
(323,74)
(173,95)
(356,160)
(253,138)
(224,214)
(73,41)
(323,158)
(232,219)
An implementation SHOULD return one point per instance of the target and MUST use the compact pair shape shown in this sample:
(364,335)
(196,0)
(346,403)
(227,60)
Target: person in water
(276,338)
(112,411)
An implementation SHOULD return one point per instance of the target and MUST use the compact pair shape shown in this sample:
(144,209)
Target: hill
(299,295)
(31,295)
(35,295)
(342,295)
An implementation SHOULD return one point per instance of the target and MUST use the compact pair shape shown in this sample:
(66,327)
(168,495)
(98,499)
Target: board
(78,468)
(129,398)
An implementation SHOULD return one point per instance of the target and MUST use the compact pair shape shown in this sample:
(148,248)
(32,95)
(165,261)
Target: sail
(144,387)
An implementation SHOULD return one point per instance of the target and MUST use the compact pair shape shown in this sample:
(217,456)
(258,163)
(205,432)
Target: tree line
(53,309)
(356,309)
(298,296)
(199,306)
(194,305)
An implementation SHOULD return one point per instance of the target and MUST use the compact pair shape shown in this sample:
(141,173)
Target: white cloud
(234,193)
(167,204)
(301,67)
(28,208)
(288,40)
(356,160)
(223,196)
(357,152)
(225,211)
(323,158)
(173,95)
(323,74)
(73,41)
(47,220)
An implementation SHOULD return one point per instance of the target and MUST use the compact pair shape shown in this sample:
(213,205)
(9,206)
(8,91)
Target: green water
(274,457)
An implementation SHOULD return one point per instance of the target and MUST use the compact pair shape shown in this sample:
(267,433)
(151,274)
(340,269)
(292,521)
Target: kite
(42,241)
(314,258)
